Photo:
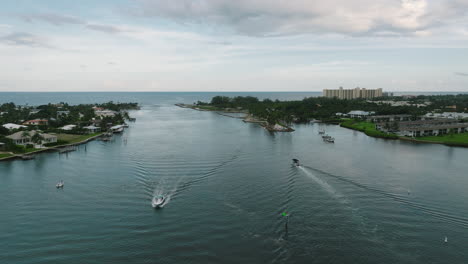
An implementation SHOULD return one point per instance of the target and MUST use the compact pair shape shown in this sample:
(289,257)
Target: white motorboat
(158,201)
(60,184)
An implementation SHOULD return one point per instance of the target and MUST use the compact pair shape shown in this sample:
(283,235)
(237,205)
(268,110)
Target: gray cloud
(105,28)
(279,17)
(23,39)
(461,74)
(60,20)
(54,19)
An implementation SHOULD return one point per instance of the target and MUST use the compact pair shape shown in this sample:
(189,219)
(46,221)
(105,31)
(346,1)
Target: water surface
(360,200)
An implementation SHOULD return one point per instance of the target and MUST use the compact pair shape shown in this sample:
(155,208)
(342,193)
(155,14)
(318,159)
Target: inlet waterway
(359,200)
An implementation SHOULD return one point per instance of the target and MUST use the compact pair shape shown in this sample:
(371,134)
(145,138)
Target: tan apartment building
(353,93)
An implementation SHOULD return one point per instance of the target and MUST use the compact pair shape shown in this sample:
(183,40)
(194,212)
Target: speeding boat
(60,184)
(158,201)
(296,162)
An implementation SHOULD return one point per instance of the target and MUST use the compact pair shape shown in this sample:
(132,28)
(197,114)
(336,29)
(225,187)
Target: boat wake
(325,186)
(434,212)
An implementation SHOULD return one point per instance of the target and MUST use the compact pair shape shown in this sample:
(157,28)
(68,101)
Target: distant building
(352,93)
(359,114)
(388,118)
(454,115)
(104,113)
(92,129)
(37,122)
(62,113)
(68,127)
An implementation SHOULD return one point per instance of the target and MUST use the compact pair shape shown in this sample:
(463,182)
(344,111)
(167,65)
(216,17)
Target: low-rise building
(388,118)
(430,127)
(105,113)
(359,114)
(37,122)
(92,129)
(62,113)
(25,137)
(68,127)
(2,146)
(454,115)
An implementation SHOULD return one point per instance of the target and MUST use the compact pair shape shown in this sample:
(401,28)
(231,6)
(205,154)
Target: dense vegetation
(59,115)
(325,108)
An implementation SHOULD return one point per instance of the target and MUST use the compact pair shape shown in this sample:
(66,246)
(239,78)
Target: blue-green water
(360,200)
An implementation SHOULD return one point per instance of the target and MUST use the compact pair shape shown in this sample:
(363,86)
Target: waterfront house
(37,122)
(2,146)
(11,126)
(25,137)
(105,113)
(92,129)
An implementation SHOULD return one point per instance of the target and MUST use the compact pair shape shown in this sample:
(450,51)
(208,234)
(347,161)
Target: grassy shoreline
(74,140)
(456,140)
(368,129)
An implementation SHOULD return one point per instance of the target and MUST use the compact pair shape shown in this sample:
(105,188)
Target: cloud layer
(279,17)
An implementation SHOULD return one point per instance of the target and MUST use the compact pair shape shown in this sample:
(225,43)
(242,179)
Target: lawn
(368,128)
(70,138)
(448,139)
(2,155)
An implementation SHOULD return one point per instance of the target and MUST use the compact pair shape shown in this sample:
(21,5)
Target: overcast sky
(233,45)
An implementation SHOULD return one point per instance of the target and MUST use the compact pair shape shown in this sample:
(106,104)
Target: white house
(104,113)
(68,127)
(24,137)
(92,129)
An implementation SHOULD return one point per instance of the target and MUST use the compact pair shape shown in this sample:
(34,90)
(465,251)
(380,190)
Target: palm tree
(37,138)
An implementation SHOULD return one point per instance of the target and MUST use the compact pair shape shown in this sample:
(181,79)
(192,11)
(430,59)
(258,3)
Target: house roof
(359,112)
(19,135)
(68,127)
(91,127)
(13,126)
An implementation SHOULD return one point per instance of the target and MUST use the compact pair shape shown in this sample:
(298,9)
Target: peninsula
(25,130)
(439,119)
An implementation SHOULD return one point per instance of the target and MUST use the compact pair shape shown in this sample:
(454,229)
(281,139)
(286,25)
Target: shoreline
(414,140)
(248,118)
(51,149)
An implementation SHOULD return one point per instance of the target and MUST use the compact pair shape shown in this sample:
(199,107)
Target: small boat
(326,136)
(446,240)
(125,125)
(329,140)
(158,201)
(27,157)
(321,132)
(296,162)
(60,184)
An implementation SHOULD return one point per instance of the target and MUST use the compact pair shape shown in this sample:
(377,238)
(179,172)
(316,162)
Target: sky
(233,45)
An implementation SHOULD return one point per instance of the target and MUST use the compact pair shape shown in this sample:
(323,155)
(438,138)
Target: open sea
(227,183)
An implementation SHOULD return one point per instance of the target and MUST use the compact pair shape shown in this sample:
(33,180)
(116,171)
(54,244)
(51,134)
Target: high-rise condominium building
(353,93)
